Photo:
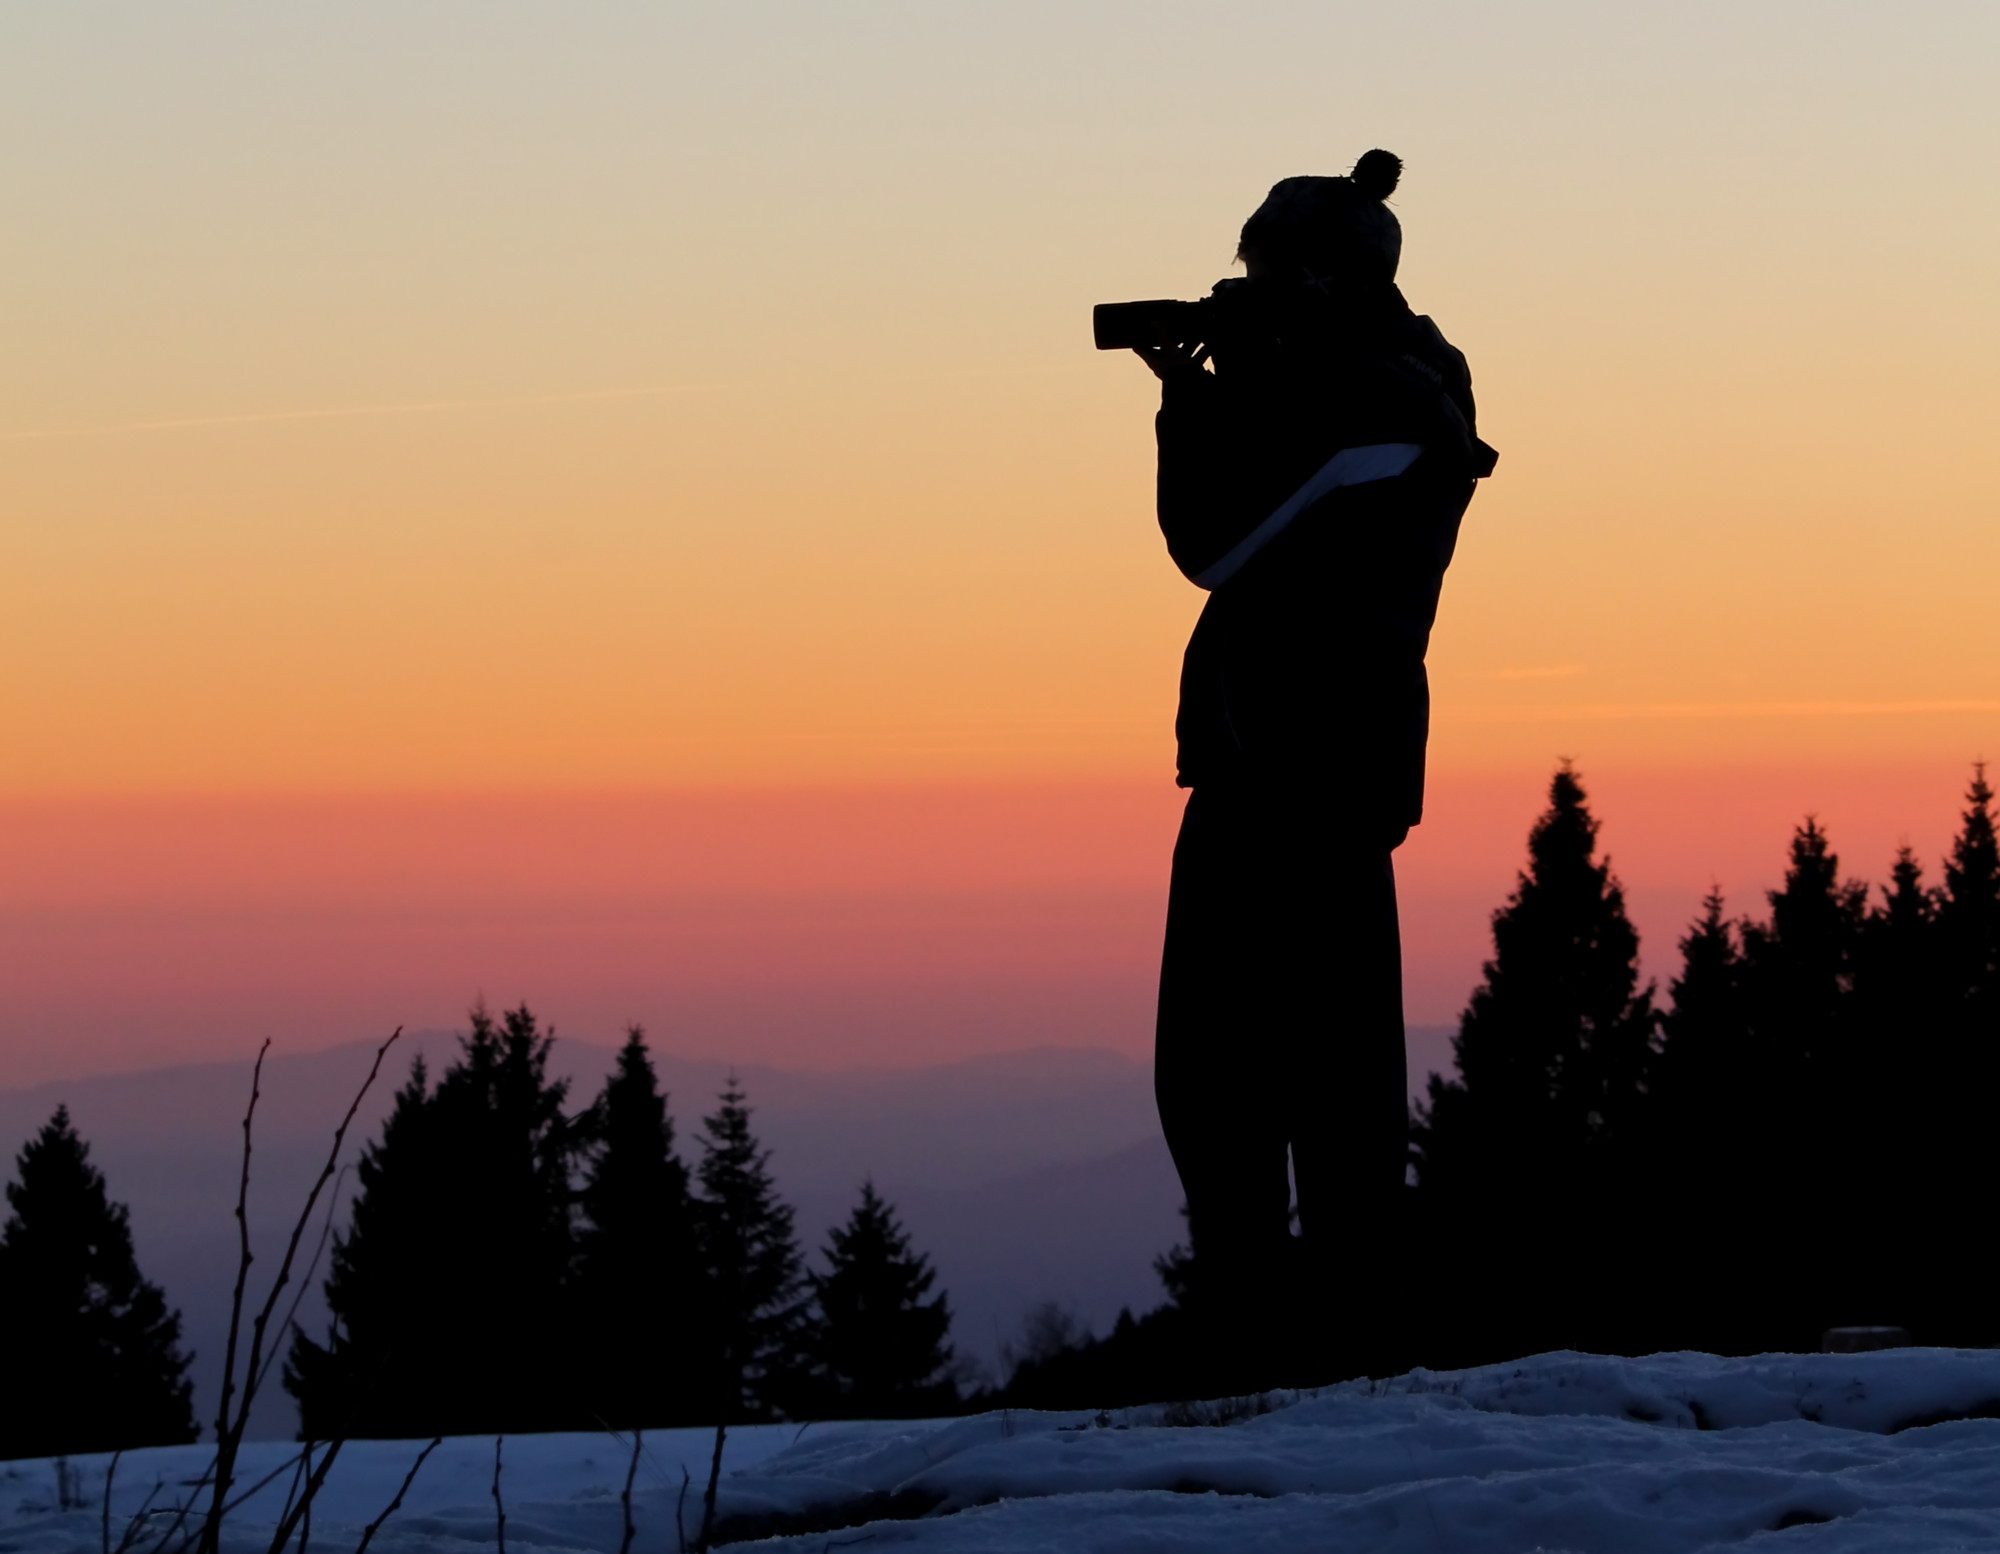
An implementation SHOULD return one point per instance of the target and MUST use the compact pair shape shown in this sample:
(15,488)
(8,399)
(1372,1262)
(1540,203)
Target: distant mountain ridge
(1027,1175)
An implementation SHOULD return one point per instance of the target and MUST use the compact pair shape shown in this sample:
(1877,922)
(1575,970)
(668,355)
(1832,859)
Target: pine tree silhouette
(1801,1081)
(1963,1161)
(880,1344)
(1969,910)
(1900,1015)
(1899,1025)
(639,1281)
(1799,966)
(1694,1156)
(1703,1031)
(756,1281)
(1695,1093)
(1802,960)
(1553,1050)
(90,1356)
(448,1288)
(1528,1157)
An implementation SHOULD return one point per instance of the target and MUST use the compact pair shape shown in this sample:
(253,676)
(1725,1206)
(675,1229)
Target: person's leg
(1214,1080)
(1348,1118)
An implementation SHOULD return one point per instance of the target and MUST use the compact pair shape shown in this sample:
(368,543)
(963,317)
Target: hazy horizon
(617,507)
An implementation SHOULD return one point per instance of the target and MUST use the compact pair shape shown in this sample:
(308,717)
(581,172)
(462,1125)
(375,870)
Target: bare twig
(110,1473)
(295,1462)
(306,1511)
(303,1510)
(625,1499)
(312,1267)
(181,1512)
(499,1507)
(409,1478)
(680,1527)
(301,1463)
(230,1425)
(136,1522)
(226,1438)
(708,1499)
(256,1368)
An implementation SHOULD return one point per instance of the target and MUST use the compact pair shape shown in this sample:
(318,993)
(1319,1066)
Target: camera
(1231,312)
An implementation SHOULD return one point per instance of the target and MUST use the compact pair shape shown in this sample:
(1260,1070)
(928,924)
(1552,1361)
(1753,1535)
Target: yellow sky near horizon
(444,397)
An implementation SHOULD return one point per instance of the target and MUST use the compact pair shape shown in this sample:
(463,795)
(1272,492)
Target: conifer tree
(1969,909)
(1695,1156)
(1801,1056)
(1695,1079)
(756,1279)
(448,1288)
(1530,1155)
(1801,962)
(1553,1050)
(90,1356)
(1899,1008)
(639,1280)
(880,1344)
(1963,1156)
(1804,1082)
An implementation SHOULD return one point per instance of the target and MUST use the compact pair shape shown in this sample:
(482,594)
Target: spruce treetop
(879,1343)
(1972,873)
(89,1349)
(757,1275)
(1969,907)
(634,1172)
(1554,1047)
(1711,966)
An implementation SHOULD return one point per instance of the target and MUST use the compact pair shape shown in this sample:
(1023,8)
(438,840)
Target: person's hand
(1172,361)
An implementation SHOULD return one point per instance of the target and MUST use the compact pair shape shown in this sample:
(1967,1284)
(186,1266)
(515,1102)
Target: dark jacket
(1307,665)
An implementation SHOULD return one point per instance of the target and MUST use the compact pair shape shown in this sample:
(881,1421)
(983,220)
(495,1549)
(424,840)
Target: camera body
(1229,314)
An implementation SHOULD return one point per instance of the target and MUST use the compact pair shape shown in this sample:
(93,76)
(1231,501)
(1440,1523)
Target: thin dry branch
(708,1499)
(409,1478)
(110,1473)
(306,1278)
(230,1424)
(680,1526)
(226,1438)
(300,1462)
(625,1499)
(136,1522)
(303,1510)
(181,1513)
(499,1507)
(254,1372)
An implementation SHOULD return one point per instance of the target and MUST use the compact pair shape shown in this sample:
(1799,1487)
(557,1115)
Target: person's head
(1335,232)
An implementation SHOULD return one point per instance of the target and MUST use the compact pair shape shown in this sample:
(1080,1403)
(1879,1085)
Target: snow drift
(1887,1451)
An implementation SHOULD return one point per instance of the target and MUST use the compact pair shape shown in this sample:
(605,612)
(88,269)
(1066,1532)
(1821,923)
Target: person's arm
(1224,464)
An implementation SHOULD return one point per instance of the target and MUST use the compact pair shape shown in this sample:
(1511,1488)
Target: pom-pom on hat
(1332,226)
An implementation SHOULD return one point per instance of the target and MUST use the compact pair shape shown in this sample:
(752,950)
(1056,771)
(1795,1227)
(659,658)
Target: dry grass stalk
(409,1478)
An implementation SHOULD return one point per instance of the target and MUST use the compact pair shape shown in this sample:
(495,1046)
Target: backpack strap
(1349,467)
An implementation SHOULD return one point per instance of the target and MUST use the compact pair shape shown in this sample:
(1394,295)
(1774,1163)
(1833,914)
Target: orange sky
(436,401)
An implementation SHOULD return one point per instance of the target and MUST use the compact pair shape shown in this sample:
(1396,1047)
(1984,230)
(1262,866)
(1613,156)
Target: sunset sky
(613,503)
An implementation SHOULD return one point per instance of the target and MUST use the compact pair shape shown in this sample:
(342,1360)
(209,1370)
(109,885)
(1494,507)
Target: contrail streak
(1637,711)
(339,412)
(431,406)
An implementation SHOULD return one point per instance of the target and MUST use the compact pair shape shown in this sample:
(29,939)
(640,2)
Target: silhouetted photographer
(1317,452)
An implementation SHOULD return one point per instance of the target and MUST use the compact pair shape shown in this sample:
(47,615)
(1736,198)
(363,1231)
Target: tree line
(508,1264)
(1793,1137)
(620,1287)
(1796,1137)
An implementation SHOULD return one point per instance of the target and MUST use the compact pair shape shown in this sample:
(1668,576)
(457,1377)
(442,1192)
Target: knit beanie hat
(1332,226)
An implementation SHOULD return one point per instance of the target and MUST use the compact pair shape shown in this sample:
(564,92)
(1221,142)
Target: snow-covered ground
(1820,1453)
